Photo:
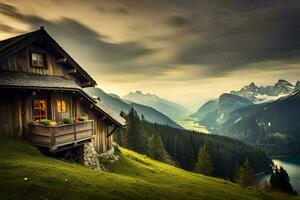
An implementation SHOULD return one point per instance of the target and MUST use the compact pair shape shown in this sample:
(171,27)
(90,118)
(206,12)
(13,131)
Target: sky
(186,51)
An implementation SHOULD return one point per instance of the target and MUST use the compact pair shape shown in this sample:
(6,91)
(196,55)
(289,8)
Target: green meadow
(27,174)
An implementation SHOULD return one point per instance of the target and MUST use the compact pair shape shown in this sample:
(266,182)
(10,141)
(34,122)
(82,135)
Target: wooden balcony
(60,136)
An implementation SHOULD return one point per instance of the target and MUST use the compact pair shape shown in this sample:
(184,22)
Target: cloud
(8,29)
(216,37)
(178,21)
(120,10)
(81,40)
(239,35)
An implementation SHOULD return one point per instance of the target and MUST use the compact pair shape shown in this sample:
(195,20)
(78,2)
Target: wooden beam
(72,71)
(114,129)
(103,118)
(61,61)
(85,84)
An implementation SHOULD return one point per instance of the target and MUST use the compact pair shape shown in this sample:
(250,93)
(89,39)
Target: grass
(134,176)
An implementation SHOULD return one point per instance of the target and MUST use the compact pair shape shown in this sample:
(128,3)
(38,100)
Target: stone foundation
(108,157)
(90,157)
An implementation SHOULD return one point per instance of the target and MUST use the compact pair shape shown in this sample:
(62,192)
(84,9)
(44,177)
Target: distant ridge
(171,109)
(215,112)
(267,116)
(259,94)
(117,104)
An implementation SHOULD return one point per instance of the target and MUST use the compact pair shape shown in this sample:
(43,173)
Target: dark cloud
(239,34)
(80,40)
(178,21)
(121,10)
(8,29)
(218,36)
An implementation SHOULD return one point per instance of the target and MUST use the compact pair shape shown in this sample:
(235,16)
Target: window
(61,106)
(39,109)
(38,60)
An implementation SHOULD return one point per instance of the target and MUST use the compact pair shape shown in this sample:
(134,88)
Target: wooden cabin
(40,81)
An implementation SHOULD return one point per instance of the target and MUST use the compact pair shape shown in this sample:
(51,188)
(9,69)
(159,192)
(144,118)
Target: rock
(90,157)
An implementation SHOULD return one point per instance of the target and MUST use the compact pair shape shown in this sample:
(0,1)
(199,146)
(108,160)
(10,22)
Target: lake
(292,166)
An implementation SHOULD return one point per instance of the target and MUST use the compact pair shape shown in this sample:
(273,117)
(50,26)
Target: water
(292,166)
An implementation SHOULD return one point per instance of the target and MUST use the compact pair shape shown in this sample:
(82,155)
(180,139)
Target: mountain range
(259,94)
(171,109)
(257,115)
(266,122)
(117,104)
(261,115)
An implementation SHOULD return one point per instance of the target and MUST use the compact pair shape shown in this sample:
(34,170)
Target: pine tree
(245,175)
(120,136)
(136,136)
(143,118)
(204,163)
(275,179)
(156,149)
(280,180)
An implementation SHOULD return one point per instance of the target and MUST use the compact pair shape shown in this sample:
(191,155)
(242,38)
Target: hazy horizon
(184,51)
(194,108)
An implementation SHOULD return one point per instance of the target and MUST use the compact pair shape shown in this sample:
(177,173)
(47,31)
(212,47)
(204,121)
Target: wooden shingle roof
(25,80)
(13,41)
(111,113)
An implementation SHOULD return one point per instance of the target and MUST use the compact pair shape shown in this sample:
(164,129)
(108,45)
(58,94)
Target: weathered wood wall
(20,61)
(101,141)
(15,115)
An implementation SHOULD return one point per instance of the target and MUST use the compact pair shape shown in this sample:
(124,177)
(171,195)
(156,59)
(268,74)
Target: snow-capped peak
(261,94)
(284,82)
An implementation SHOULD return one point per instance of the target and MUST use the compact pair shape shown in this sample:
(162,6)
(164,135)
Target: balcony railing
(57,136)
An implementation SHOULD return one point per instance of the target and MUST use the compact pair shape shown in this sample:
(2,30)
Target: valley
(264,116)
(191,123)
(150,100)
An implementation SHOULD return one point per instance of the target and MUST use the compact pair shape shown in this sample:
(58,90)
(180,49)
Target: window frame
(45,66)
(60,110)
(40,116)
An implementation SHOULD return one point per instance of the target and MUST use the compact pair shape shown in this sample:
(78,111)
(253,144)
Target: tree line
(210,155)
(181,147)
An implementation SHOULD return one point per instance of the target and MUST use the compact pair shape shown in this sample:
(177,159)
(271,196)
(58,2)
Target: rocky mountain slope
(277,122)
(260,94)
(216,112)
(261,115)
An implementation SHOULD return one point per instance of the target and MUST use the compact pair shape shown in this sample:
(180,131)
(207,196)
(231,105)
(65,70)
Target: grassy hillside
(133,177)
